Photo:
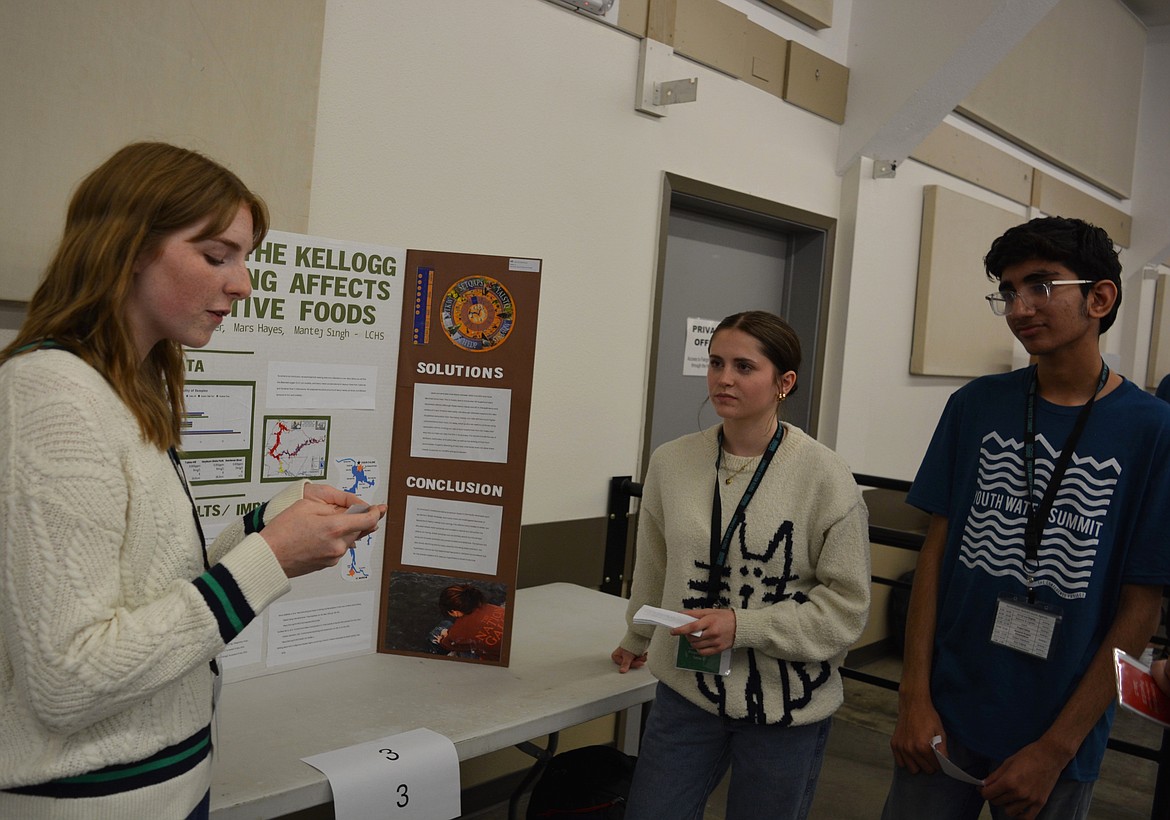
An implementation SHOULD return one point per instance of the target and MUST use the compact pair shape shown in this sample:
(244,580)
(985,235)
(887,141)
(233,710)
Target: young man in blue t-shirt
(1048,493)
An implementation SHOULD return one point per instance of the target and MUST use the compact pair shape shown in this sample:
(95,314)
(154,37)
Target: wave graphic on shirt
(993,538)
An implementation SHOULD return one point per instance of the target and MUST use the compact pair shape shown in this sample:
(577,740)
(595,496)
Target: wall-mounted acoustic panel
(632,16)
(955,333)
(1159,361)
(964,156)
(766,55)
(660,21)
(816,83)
(817,14)
(1057,198)
(711,33)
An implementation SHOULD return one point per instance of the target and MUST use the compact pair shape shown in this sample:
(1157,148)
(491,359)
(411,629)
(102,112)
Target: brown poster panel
(457,455)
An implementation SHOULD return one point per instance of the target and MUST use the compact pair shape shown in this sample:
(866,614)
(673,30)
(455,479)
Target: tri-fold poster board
(404,377)
(463,394)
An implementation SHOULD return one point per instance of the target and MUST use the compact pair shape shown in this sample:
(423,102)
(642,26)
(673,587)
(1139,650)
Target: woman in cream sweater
(760,534)
(112,606)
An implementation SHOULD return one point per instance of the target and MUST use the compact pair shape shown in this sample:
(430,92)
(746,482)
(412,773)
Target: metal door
(723,252)
(714,267)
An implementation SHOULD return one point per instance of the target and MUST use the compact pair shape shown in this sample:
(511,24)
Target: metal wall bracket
(676,91)
(654,60)
(885,168)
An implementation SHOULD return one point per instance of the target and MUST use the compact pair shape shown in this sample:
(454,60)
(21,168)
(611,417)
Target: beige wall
(236,80)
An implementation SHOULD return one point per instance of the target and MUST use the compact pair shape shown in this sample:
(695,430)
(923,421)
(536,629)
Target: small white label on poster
(309,385)
(461,423)
(318,627)
(526,265)
(215,470)
(414,774)
(246,648)
(456,535)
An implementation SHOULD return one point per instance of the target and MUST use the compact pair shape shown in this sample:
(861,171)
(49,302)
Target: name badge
(688,659)
(1023,626)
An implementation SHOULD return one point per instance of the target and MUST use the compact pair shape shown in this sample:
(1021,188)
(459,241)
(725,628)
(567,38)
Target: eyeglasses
(1035,295)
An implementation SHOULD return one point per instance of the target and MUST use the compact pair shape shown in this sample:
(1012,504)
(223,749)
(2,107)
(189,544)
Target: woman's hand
(315,532)
(345,502)
(331,495)
(717,627)
(627,660)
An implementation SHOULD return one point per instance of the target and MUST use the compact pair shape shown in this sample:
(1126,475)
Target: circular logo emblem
(478,313)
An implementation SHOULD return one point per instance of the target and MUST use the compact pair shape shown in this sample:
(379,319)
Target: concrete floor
(856,771)
(857,767)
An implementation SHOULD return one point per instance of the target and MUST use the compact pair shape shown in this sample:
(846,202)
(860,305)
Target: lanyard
(178,465)
(720,548)
(41,344)
(1038,513)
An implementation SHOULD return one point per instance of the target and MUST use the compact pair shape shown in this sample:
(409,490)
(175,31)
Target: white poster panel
(298,383)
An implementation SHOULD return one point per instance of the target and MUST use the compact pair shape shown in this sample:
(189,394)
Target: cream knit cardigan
(105,640)
(797,574)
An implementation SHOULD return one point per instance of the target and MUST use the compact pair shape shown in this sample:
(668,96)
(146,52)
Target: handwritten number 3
(390,754)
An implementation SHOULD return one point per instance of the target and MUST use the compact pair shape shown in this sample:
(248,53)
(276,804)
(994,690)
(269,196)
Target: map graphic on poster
(295,448)
(359,477)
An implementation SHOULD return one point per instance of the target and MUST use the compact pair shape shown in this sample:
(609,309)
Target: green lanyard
(41,344)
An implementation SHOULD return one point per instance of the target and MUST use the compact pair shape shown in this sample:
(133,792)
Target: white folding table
(560,674)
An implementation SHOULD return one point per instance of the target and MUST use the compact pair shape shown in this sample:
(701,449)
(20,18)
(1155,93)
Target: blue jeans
(685,752)
(203,810)
(913,796)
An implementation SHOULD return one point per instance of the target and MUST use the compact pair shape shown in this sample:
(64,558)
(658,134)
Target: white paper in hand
(950,768)
(656,616)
